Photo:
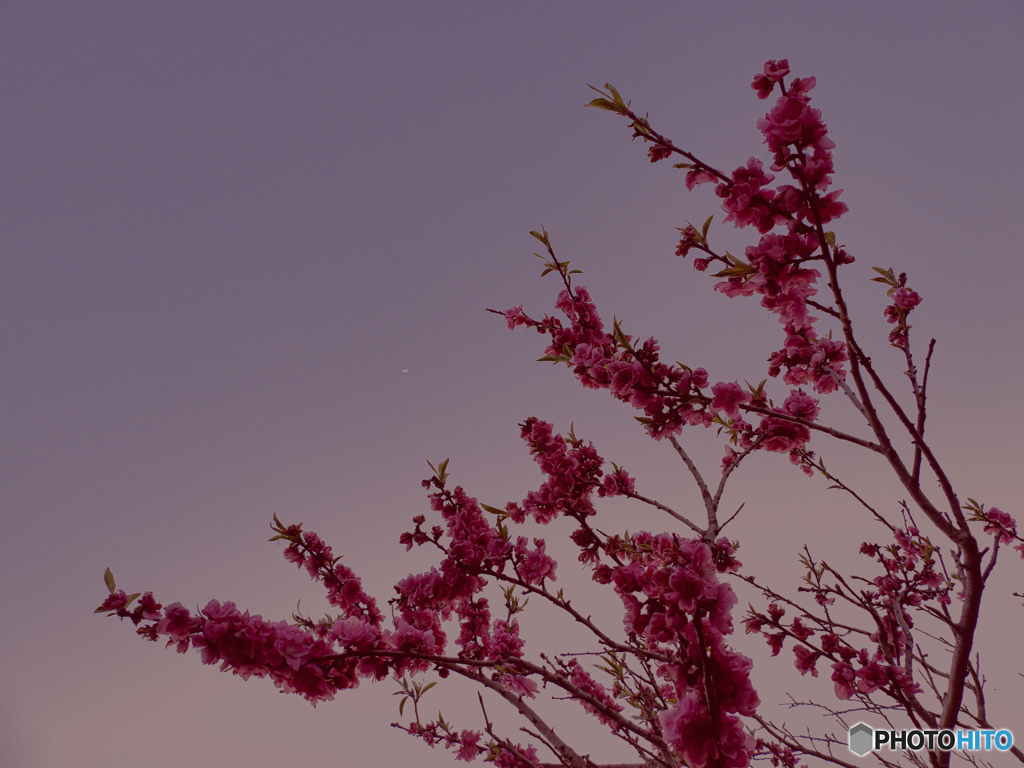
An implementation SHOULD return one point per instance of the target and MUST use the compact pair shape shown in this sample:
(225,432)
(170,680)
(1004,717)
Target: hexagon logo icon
(861,739)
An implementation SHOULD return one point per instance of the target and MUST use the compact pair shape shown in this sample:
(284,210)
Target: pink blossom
(687,728)
(149,608)
(520,685)
(506,641)
(507,759)
(843,677)
(729,458)
(115,601)
(906,299)
(728,397)
(698,176)
(1000,525)
(355,631)
(659,152)
(534,566)
(805,660)
(745,201)
(468,746)
(764,81)
(178,625)
(871,677)
(801,405)
(687,241)
(830,208)
(585,683)
(515,317)
(617,482)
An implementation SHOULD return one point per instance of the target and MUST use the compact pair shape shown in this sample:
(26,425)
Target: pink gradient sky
(226,229)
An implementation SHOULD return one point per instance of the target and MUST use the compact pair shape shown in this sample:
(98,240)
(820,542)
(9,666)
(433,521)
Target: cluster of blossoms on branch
(675,602)
(670,396)
(675,691)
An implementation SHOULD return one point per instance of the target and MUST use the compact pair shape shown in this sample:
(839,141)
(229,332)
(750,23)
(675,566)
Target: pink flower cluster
(870,675)
(903,302)
(668,395)
(910,570)
(582,680)
(676,605)
(778,754)
(1003,528)
(465,744)
(522,757)
(776,267)
(533,566)
(911,578)
(872,672)
(248,646)
(474,549)
(344,588)
(747,200)
(775,434)
(316,660)
(774,72)
(574,471)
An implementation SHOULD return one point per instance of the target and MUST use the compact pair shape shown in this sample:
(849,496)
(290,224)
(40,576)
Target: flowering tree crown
(666,679)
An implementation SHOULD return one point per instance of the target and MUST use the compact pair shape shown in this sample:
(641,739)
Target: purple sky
(227,228)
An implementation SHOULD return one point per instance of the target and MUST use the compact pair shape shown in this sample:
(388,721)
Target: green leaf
(756,391)
(493,510)
(887,277)
(704,229)
(641,127)
(542,236)
(732,272)
(618,335)
(611,101)
(108,579)
(401,705)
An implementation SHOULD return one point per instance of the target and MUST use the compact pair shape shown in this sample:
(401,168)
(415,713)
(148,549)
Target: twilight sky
(226,229)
